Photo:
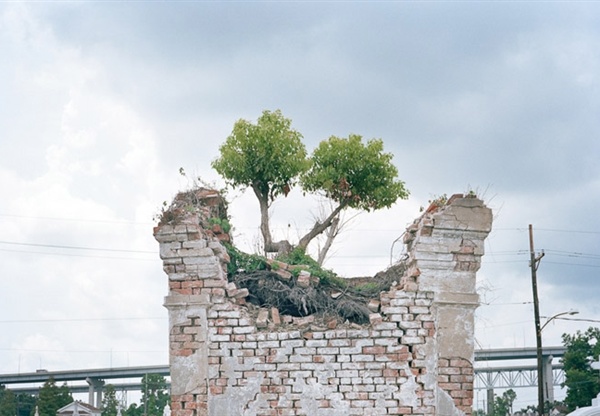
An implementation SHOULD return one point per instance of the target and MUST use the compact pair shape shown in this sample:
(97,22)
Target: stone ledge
(185,300)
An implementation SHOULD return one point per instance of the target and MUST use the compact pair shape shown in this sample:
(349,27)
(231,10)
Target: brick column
(194,260)
(445,248)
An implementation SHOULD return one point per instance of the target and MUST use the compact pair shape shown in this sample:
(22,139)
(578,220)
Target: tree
(52,397)
(581,380)
(110,404)
(25,404)
(352,174)
(8,403)
(134,410)
(154,395)
(268,157)
(503,404)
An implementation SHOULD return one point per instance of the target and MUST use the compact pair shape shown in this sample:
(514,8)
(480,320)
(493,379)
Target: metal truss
(511,377)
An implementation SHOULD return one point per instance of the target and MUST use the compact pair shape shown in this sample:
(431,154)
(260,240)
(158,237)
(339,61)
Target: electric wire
(20,321)
(77,255)
(114,250)
(31,217)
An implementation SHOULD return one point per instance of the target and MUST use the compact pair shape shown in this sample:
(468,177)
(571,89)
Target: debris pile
(292,292)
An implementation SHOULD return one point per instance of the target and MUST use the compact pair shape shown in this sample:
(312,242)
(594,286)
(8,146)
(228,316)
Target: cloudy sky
(101,103)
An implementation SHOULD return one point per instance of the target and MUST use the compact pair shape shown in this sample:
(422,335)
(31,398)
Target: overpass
(485,377)
(95,379)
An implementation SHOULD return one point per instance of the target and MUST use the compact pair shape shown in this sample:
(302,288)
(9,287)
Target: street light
(553,317)
(540,366)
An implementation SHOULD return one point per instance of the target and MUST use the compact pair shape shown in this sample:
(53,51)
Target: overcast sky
(101,103)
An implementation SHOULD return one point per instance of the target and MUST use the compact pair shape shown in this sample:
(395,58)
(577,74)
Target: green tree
(8,403)
(352,174)
(52,397)
(110,404)
(268,157)
(503,405)
(582,382)
(25,404)
(134,410)
(154,395)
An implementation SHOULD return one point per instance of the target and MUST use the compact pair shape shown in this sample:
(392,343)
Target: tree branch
(318,228)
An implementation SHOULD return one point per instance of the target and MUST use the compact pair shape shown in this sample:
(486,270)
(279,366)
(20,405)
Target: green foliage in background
(582,382)
(52,397)
(110,404)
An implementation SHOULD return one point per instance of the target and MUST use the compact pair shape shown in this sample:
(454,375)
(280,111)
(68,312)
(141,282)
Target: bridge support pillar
(96,386)
(490,401)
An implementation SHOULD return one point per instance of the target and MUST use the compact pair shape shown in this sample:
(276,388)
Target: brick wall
(414,358)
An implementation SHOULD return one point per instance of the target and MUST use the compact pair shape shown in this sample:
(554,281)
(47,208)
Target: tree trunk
(281,247)
(331,234)
(263,200)
(318,228)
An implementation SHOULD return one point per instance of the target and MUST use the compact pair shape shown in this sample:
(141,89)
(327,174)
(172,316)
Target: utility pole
(534,263)
(146,395)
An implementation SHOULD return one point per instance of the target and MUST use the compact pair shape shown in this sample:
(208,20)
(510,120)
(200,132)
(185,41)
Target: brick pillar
(445,247)
(194,260)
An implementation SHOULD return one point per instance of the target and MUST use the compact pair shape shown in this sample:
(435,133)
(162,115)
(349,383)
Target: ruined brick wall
(414,358)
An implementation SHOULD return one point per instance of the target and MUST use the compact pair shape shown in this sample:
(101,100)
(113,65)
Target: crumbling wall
(414,358)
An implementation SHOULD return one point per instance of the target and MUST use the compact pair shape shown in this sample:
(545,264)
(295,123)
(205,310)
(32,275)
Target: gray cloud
(103,102)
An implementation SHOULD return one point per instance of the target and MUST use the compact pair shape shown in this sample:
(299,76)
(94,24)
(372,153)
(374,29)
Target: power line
(502,304)
(76,220)
(549,229)
(567,231)
(18,321)
(114,250)
(574,254)
(76,255)
(83,351)
(573,264)
(579,319)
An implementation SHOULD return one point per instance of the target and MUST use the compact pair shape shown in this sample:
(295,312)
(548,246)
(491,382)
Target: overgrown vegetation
(328,295)
(221,222)
(298,256)
(240,262)
(190,201)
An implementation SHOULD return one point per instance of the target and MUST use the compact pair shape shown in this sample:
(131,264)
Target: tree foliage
(25,404)
(503,405)
(8,403)
(154,395)
(270,158)
(354,175)
(52,397)
(582,382)
(267,156)
(110,403)
(134,410)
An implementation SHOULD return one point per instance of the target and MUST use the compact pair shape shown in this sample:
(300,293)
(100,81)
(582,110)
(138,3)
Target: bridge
(485,377)
(521,375)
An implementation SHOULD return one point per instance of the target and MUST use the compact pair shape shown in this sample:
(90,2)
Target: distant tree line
(51,397)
